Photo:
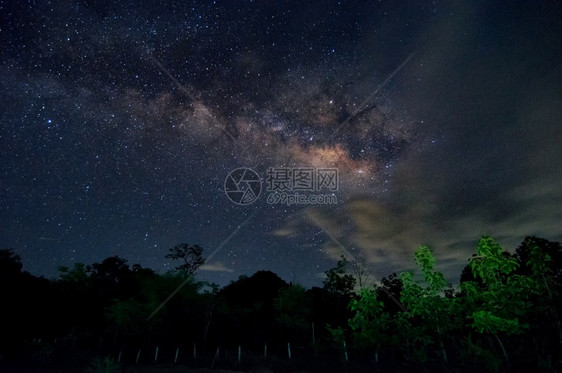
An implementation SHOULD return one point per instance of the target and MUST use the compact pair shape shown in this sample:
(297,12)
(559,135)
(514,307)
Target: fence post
(156,354)
(177,353)
(289,349)
(216,356)
(313,336)
(138,356)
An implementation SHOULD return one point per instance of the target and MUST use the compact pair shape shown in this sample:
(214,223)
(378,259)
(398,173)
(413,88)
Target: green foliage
(129,314)
(293,308)
(106,365)
(479,358)
(430,312)
(503,297)
(487,322)
(491,261)
(425,259)
(427,300)
(506,316)
(369,322)
(77,274)
(540,264)
(539,261)
(368,306)
(410,292)
(338,334)
(429,316)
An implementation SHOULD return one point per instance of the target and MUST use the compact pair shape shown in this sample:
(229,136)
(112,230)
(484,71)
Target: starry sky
(120,121)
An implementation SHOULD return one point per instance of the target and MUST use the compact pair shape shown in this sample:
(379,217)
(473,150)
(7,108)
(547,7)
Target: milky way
(121,122)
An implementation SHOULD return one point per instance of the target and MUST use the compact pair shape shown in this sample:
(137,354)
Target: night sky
(120,122)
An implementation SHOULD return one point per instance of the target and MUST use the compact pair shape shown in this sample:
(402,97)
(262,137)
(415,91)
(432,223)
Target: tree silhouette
(338,281)
(10,264)
(505,313)
(390,287)
(293,310)
(112,270)
(192,257)
(360,272)
(78,274)
(532,253)
(250,306)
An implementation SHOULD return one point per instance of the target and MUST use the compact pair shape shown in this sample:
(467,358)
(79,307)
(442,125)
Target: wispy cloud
(216,267)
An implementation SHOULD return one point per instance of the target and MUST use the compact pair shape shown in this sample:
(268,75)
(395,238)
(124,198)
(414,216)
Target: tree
(359,269)
(112,270)
(10,264)
(389,292)
(541,260)
(12,290)
(78,274)
(249,307)
(192,257)
(430,310)
(293,310)
(498,302)
(338,281)
(370,324)
(339,287)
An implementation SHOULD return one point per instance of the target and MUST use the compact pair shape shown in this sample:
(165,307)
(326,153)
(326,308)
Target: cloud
(387,233)
(216,267)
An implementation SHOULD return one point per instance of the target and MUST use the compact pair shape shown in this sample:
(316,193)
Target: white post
(119,356)
(289,349)
(194,351)
(313,336)
(345,350)
(138,356)
(265,349)
(156,354)
(239,353)
(177,353)
(216,356)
